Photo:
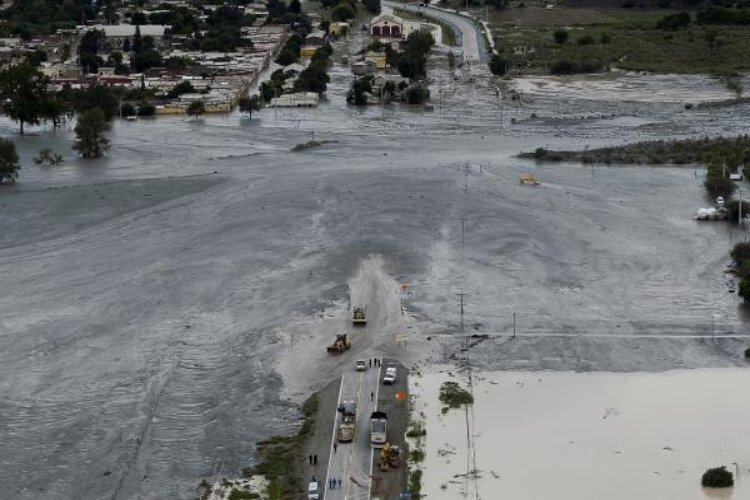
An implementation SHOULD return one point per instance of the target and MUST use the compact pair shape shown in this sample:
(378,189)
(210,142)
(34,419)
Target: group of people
(332,481)
(377,361)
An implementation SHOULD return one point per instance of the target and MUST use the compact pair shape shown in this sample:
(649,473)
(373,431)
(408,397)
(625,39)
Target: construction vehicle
(390,457)
(340,345)
(378,427)
(358,316)
(348,421)
(528,179)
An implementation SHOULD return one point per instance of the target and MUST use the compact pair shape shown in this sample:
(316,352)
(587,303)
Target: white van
(313,492)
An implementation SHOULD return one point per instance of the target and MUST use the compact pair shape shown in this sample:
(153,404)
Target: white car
(390,375)
(313,492)
(360,365)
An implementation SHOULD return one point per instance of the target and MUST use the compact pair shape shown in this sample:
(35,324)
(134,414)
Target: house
(308,50)
(337,29)
(362,68)
(377,58)
(387,25)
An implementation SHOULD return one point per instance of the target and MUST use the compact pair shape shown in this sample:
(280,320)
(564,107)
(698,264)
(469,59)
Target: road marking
(600,335)
(333,437)
(348,474)
(372,450)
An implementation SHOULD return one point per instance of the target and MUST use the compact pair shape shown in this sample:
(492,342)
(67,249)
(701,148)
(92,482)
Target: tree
(250,104)
(89,48)
(498,65)
(372,6)
(8,161)
(90,129)
(498,4)
(409,66)
(100,97)
(561,36)
(184,87)
(196,108)
(717,477)
(416,94)
(295,7)
(23,92)
(342,12)
(712,39)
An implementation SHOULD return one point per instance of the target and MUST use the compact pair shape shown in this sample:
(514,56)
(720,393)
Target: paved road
(471,40)
(351,462)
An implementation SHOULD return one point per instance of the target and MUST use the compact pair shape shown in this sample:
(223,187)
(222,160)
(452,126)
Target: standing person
(309,458)
(339,483)
(330,481)
(335,447)
(315,459)
(370,362)
(372,396)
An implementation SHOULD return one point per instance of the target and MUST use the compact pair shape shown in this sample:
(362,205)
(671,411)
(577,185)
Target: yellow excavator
(529,179)
(390,457)
(340,345)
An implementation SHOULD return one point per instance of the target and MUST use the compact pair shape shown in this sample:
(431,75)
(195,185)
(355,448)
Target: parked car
(390,375)
(360,365)
(313,490)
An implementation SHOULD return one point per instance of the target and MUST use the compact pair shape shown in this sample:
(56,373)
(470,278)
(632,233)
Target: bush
(717,186)
(127,109)
(146,110)
(498,65)
(416,94)
(744,289)
(561,36)
(605,38)
(718,477)
(9,166)
(674,22)
(747,353)
(454,396)
(586,40)
(567,67)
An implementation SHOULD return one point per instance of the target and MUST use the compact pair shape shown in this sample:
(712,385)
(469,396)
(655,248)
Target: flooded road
(145,292)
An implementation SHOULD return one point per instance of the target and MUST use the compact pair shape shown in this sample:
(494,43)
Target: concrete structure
(297,100)
(116,34)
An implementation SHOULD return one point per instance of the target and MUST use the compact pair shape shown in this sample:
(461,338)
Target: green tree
(498,65)
(561,36)
(250,104)
(90,129)
(184,87)
(372,6)
(342,12)
(8,161)
(196,108)
(717,477)
(100,97)
(23,92)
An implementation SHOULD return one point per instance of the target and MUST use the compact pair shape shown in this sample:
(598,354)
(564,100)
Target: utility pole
(466,177)
(462,295)
(463,229)
(514,324)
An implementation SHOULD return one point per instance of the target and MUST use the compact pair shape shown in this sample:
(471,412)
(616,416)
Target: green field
(622,38)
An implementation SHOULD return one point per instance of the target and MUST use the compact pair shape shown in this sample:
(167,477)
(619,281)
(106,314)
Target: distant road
(470,39)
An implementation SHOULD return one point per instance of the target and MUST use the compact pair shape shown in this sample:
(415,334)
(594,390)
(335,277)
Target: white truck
(378,426)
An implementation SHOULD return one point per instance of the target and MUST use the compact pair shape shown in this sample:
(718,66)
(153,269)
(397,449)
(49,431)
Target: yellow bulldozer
(528,179)
(390,457)
(340,345)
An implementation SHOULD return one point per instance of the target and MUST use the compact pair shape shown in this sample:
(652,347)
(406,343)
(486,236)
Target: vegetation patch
(679,152)
(280,452)
(416,456)
(452,395)
(711,41)
(417,430)
(415,483)
(236,494)
(717,477)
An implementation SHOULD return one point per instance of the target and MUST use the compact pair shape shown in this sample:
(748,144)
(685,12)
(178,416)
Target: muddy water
(588,436)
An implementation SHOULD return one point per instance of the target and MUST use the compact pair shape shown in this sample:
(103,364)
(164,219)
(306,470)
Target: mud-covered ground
(147,296)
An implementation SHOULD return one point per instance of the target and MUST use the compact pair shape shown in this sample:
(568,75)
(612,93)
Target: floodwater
(588,436)
(146,295)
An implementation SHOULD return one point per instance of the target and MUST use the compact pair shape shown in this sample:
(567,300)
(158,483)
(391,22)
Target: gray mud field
(145,296)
